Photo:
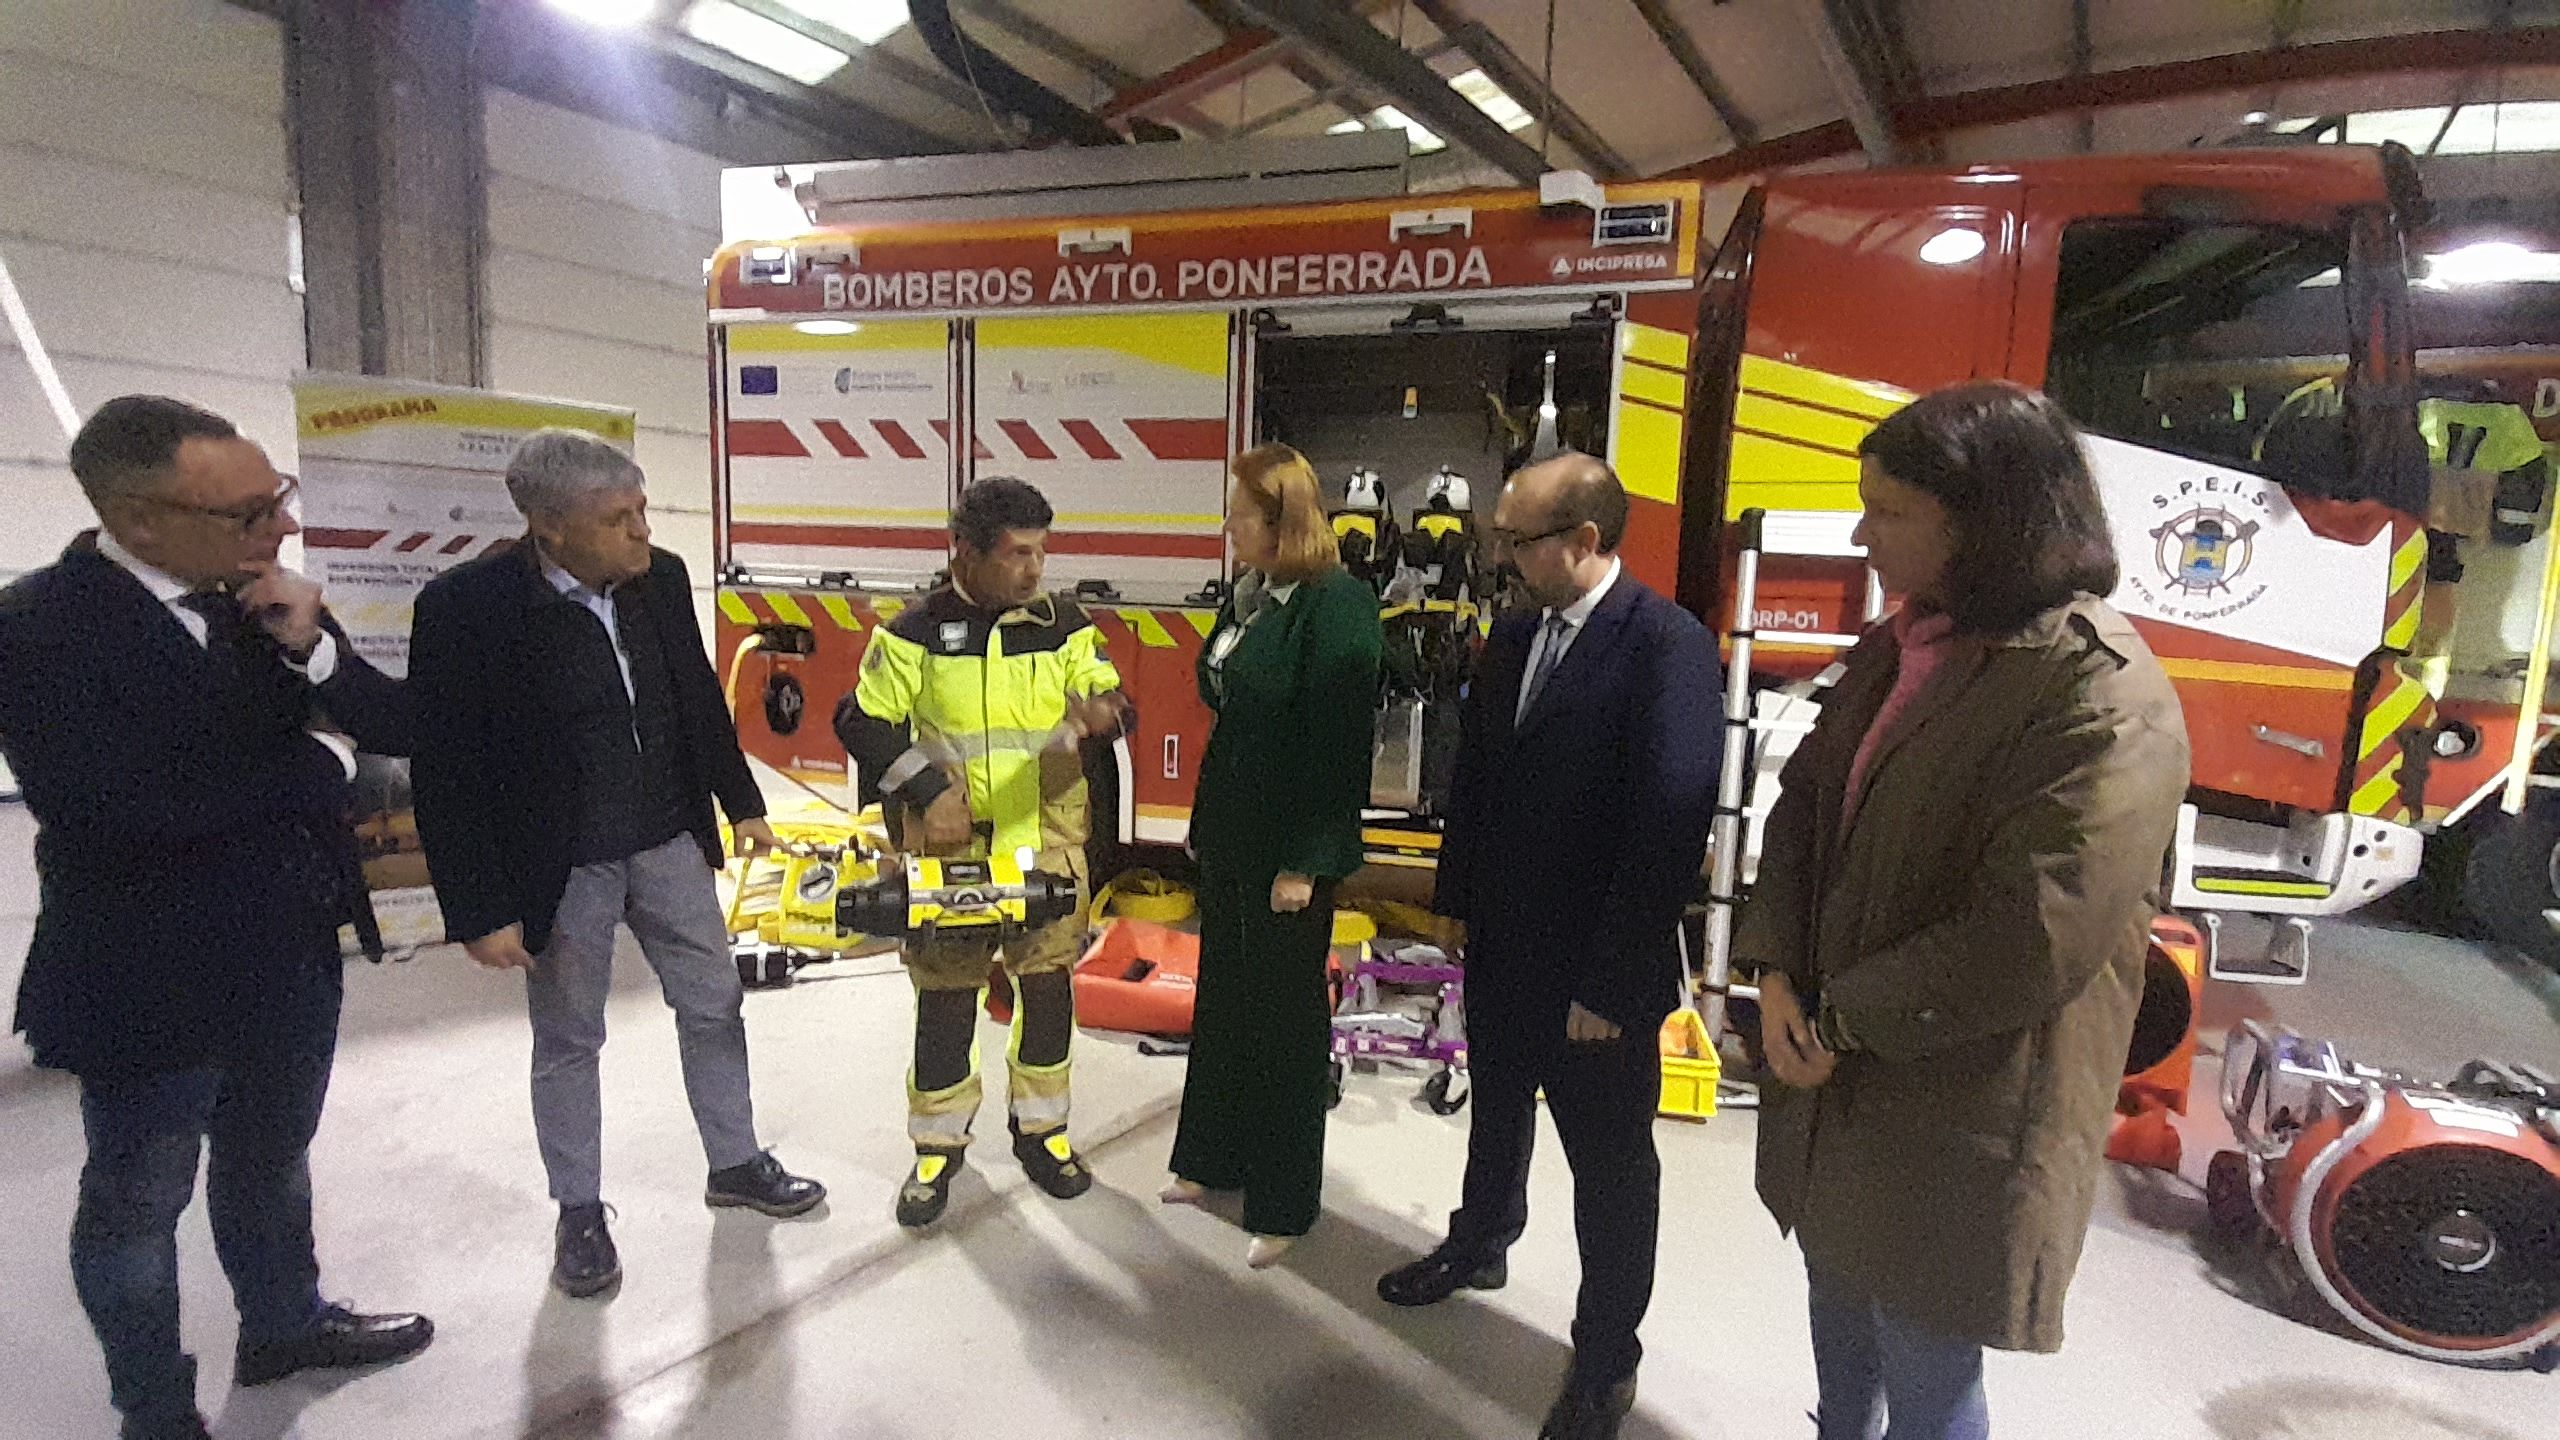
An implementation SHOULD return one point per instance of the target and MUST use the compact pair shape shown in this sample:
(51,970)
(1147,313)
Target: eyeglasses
(1514,540)
(247,517)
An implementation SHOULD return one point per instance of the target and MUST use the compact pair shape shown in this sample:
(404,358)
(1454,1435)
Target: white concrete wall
(145,198)
(597,238)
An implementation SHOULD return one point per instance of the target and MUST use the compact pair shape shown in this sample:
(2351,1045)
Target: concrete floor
(1112,1316)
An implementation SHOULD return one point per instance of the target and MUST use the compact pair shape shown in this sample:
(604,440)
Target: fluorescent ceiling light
(1492,99)
(1953,246)
(612,14)
(828,327)
(1388,117)
(869,21)
(758,41)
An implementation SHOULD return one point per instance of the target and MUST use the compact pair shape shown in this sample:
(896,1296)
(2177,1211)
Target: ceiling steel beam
(2433,52)
(1342,97)
(1100,69)
(1883,48)
(1247,50)
(1225,15)
(880,133)
(1506,69)
(1683,49)
(1866,104)
(1049,42)
(1345,41)
(931,81)
(2288,19)
(1204,74)
(2419,53)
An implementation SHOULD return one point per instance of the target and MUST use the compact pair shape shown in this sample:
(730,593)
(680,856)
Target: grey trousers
(667,897)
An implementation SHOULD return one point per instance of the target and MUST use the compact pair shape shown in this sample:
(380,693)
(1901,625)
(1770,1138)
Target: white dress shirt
(598,603)
(1574,616)
(172,592)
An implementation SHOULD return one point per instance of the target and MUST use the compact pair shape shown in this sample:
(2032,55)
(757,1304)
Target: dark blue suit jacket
(192,848)
(1575,836)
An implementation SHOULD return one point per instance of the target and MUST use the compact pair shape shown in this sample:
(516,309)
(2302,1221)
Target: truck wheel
(2514,875)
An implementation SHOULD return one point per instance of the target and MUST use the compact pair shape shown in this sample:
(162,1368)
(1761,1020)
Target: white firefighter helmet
(1364,492)
(1450,488)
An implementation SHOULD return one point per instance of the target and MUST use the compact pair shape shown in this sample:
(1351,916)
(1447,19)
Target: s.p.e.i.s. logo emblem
(2205,534)
(2205,551)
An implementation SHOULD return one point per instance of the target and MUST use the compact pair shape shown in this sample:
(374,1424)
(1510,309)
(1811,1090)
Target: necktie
(222,623)
(1550,652)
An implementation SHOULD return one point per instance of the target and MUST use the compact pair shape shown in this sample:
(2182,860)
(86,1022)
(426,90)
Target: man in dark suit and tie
(195,862)
(571,740)
(1577,822)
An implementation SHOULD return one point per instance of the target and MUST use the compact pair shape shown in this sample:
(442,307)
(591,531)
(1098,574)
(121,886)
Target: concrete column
(383,105)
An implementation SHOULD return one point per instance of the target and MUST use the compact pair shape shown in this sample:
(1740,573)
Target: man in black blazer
(1577,822)
(163,680)
(571,739)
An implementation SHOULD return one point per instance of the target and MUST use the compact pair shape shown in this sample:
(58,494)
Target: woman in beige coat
(1954,898)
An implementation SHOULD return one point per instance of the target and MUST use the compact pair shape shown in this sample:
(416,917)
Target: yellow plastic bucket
(1690,1068)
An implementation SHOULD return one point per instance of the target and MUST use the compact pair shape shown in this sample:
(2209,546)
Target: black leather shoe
(762,1184)
(583,1260)
(1589,1412)
(1053,1164)
(187,1427)
(1442,1273)
(341,1340)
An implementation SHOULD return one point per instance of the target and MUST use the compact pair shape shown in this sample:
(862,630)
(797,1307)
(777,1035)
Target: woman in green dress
(1292,673)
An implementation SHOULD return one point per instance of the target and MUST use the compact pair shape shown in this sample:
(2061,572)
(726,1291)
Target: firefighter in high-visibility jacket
(968,724)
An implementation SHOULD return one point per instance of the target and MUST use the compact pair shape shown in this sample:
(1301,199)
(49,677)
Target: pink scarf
(1923,641)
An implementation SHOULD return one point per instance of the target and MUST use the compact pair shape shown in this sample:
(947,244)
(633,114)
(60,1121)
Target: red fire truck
(2231,326)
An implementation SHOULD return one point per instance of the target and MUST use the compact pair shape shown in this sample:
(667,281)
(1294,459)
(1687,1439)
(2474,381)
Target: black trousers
(1253,1098)
(1603,1095)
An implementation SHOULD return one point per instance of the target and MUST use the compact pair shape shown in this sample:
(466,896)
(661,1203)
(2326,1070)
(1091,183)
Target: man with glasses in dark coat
(164,680)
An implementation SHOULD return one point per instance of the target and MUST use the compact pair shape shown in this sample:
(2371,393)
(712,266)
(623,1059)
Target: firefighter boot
(928,1186)
(1052,1163)
(1043,1032)
(942,1099)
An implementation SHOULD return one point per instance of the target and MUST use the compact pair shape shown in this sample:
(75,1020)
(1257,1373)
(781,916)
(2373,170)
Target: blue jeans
(1883,1379)
(145,1134)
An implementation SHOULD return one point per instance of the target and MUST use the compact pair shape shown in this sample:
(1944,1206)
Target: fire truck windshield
(2226,343)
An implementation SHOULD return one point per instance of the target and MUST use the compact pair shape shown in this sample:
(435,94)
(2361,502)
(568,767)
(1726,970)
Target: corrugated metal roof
(1208,67)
